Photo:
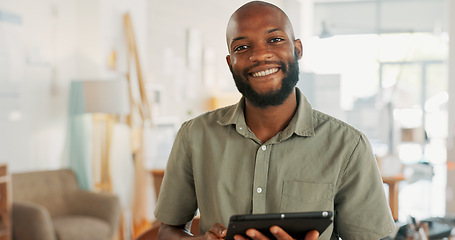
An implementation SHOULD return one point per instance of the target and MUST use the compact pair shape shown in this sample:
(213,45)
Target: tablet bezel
(296,224)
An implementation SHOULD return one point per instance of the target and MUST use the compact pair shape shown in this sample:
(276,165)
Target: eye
(240,48)
(275,40)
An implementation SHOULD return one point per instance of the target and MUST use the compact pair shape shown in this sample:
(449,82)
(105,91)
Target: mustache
(280,63)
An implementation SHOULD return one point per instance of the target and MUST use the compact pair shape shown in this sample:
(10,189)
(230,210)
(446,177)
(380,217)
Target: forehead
(257,19)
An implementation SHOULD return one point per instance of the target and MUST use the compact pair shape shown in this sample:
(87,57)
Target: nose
(260,53)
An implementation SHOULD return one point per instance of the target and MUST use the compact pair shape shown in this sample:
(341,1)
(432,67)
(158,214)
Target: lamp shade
(101,96)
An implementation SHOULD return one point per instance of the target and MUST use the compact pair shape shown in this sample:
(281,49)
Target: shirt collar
(235,114)
(303,118)
(301,124)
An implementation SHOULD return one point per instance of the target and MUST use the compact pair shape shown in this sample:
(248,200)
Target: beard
(274,97)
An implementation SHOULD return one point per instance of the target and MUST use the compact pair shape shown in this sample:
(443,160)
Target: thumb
(218,229)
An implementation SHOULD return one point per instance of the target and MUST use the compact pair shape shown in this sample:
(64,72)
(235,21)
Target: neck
(267,122)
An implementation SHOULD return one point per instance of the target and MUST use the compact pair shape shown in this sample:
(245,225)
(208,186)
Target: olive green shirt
(218,165)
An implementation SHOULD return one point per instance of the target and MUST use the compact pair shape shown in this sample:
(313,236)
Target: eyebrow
(237,39)
(273,30)
(269,31)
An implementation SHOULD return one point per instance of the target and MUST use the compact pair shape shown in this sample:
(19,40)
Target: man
(270,152)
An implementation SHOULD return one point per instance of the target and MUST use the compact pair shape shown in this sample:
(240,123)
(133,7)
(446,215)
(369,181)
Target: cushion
(74,227)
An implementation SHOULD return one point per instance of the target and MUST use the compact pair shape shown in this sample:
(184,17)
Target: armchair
(49,205)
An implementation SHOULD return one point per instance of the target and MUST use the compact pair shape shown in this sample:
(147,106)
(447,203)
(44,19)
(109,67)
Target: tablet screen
(295,224)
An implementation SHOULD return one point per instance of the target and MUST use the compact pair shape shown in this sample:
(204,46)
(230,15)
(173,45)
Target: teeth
(265,73)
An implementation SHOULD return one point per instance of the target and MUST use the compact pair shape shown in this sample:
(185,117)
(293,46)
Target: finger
(211,236)
(256,235)
(312,235)
(239,237)
(279,233)
(218,230)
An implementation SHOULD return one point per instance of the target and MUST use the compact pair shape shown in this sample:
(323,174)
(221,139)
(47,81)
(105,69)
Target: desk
(393,182)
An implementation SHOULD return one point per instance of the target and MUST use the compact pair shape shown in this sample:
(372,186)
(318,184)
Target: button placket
(260,178)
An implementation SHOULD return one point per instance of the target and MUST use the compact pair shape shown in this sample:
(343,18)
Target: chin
(267,90)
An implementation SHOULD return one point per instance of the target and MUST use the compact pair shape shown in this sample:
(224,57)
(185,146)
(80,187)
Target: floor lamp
(107,100)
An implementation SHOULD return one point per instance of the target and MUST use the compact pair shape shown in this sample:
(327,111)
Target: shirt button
(264,147)
(259,190)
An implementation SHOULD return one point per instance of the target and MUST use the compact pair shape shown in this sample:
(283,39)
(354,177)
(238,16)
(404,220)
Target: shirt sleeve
(361,208)
(177,202)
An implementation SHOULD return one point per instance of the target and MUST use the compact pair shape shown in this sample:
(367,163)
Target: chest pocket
(299,196)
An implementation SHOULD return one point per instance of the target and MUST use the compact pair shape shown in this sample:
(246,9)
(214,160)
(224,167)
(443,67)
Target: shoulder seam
(346,160)
(185,128)
(323,116)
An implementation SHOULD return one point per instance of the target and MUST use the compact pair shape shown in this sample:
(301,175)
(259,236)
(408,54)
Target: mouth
(264,73)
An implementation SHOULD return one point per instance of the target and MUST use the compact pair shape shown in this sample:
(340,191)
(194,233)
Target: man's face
(263,55)
(273,97)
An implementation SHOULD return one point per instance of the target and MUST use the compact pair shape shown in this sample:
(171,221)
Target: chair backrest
(51,188)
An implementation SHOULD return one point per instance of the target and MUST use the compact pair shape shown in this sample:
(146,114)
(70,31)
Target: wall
(33,94)
(50,44)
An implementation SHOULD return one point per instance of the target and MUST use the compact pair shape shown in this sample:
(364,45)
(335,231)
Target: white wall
(54,43)
(46,34)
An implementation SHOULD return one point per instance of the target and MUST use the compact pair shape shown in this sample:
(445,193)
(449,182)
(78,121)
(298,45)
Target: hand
(216,231)
(278,232)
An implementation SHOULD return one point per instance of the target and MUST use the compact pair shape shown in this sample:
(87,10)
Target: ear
(228,60)
(299,48)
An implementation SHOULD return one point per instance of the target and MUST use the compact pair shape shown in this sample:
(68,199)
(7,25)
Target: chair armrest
(100,205)
(31,222)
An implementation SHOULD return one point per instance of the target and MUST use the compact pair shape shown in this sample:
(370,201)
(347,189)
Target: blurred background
(387,67)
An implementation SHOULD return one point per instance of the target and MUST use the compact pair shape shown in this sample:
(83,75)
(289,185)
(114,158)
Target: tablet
(296,224)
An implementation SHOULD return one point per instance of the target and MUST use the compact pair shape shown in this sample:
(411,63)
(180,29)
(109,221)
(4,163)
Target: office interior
(387,67)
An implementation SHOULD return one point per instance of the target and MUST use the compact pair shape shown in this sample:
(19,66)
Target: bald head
(257,4)
(255,14)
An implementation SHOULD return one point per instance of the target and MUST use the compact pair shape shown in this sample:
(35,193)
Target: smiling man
(271,152)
